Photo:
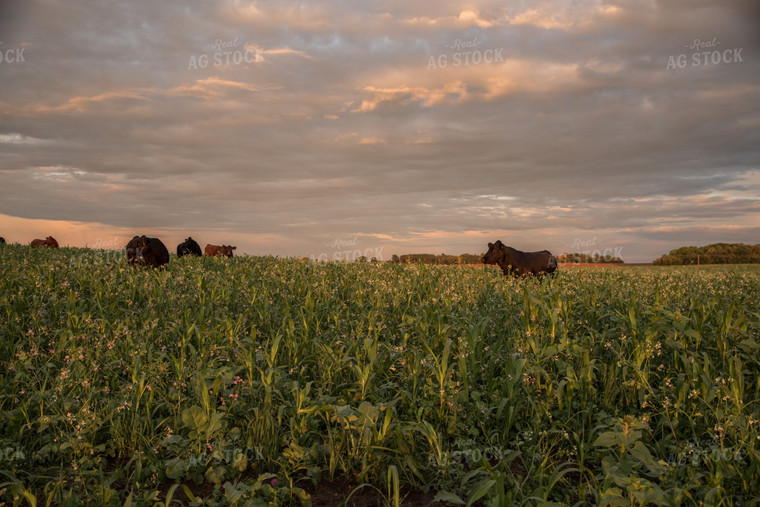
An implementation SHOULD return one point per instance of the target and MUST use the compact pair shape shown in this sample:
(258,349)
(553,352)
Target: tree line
(449,260)
(718,253)
(583,258)
(442,259)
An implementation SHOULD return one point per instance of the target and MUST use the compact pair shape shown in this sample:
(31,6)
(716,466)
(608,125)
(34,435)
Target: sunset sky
(321,127)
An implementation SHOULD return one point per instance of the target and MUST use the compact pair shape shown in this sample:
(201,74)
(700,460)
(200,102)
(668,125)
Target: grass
(247,381)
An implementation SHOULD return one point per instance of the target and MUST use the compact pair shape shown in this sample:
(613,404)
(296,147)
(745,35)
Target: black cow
(189,247)
(519,263)
(2,240)
(147,251)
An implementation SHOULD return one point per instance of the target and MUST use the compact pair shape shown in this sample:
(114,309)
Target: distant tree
(470,258)
(717,253)
(424,258)
(582,258)
(442,259)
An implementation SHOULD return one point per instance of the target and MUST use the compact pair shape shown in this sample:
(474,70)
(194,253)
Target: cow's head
(227,250)
(132,248)
(496,253)
(140,246)
(51,242)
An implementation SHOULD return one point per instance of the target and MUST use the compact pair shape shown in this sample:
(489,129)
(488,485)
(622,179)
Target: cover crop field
(253,380)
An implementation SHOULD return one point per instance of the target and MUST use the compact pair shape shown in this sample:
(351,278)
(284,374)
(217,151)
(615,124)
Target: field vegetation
(250,381)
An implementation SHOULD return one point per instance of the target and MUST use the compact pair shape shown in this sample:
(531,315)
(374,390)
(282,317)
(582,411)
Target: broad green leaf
(216,474)
(448,497)
(480,490)
(195,419)
(607,439)
(613,496)
(176,468)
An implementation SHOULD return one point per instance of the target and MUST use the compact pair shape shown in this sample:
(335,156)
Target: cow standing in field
(48,242)
(219,251)
(189,247)
(519,263)
(147,251)
(2,240)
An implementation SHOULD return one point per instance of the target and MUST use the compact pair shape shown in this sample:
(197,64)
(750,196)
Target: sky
(333,129)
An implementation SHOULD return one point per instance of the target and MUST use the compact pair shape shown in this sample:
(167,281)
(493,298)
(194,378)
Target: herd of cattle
(142,250)
(152,252)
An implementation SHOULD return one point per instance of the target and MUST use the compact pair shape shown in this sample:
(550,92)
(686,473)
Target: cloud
(463,19)
(211,87)
(16,138)
(338,125)
(568,16)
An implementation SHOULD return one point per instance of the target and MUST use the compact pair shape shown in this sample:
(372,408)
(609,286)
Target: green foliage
(584,258)
(218,381)
(718,253)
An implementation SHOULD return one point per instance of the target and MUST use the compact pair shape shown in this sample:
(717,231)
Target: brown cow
(219,251)
(49,242)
